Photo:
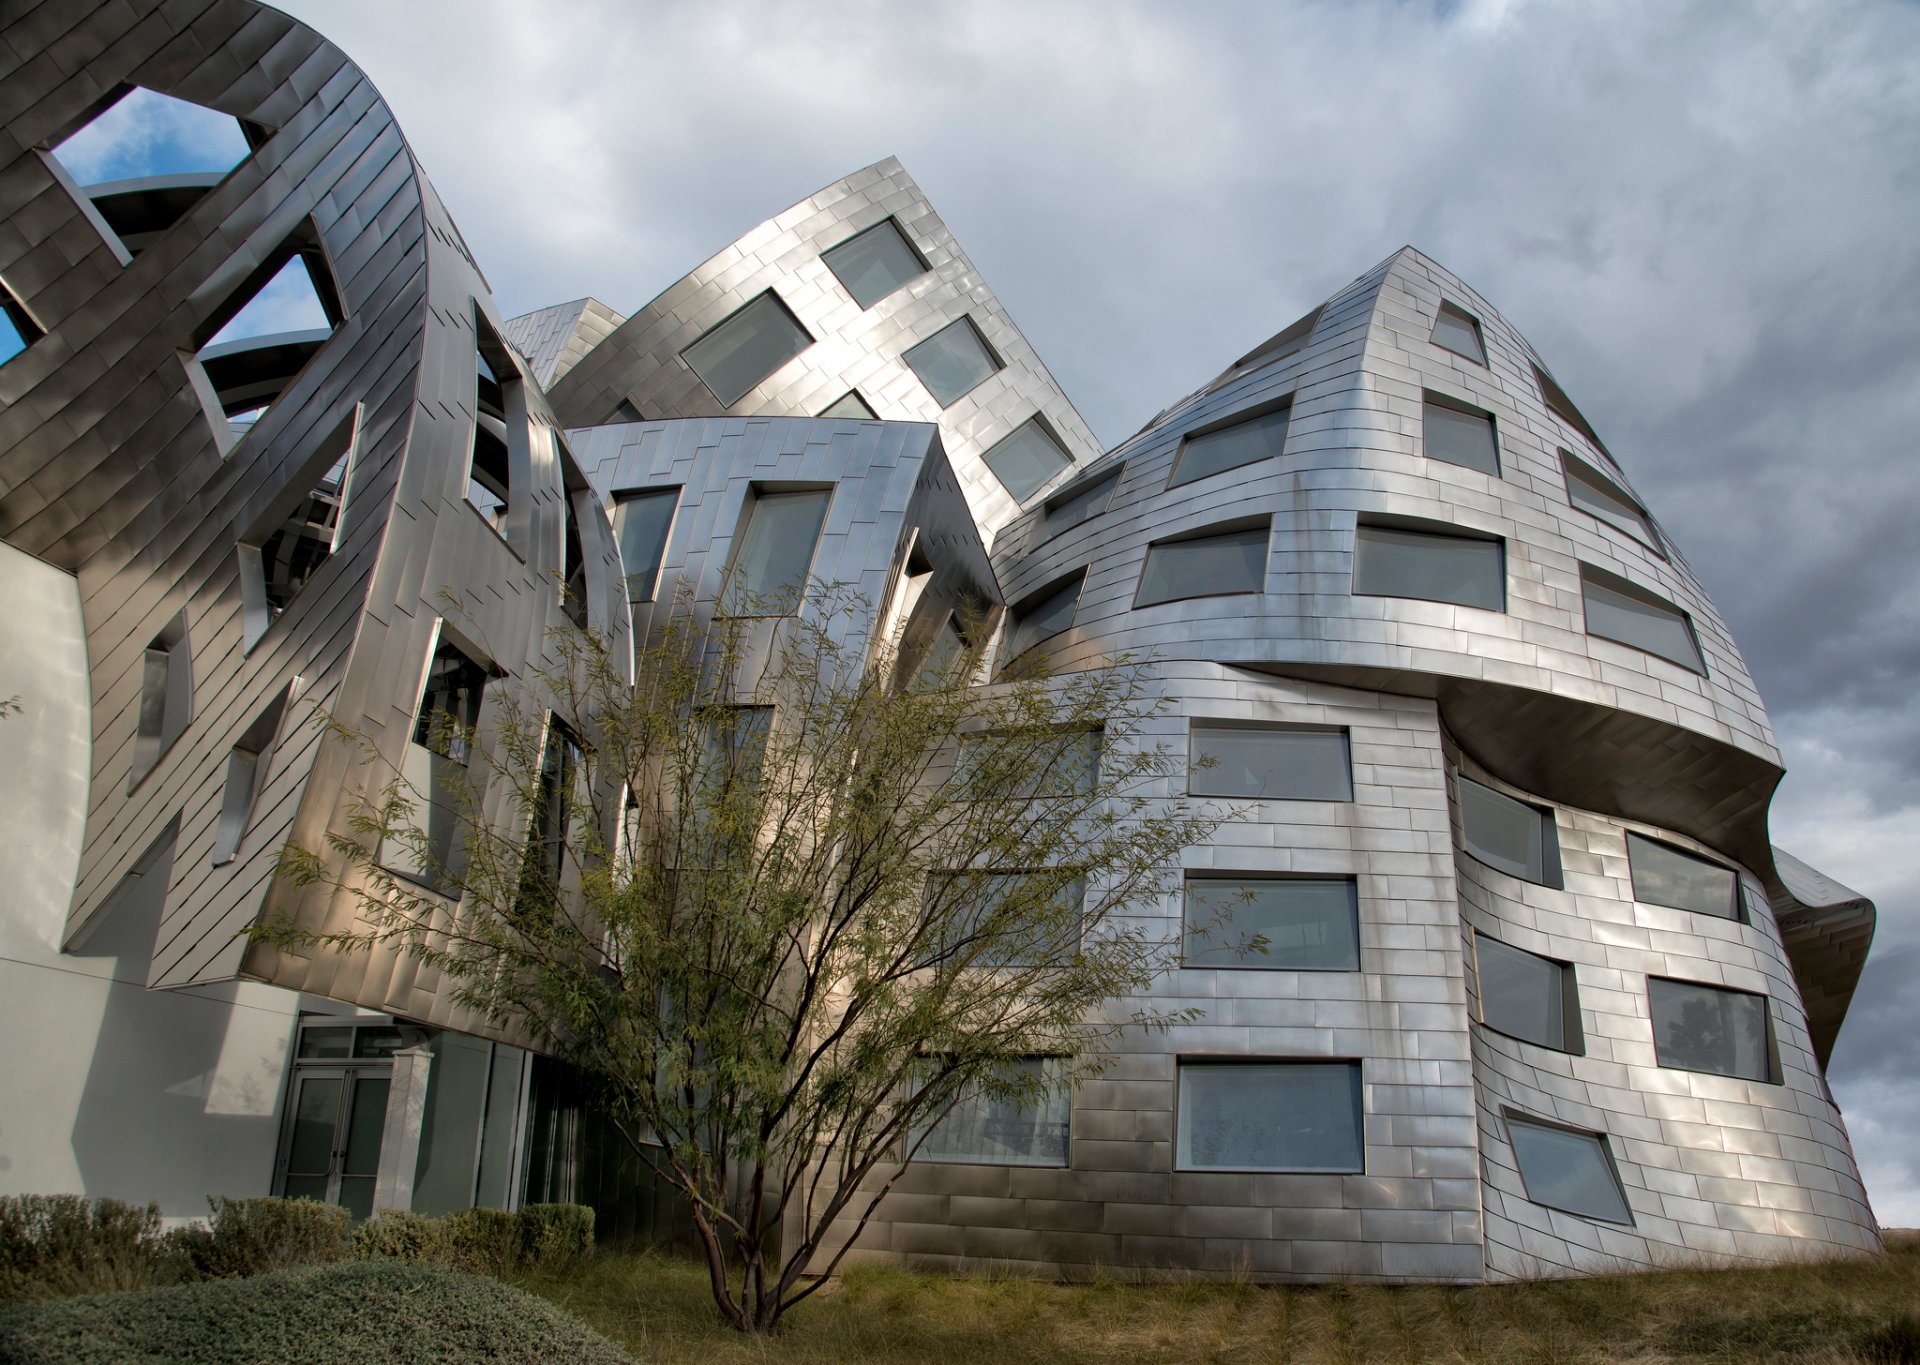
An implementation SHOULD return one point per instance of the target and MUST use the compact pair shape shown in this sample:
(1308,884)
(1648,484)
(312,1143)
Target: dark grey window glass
(1388,562)
(1527,997)
(642,521)
(1272,762)
(1663,875)
(1568,1171)
(1294,923)
(1001,1131)
(848,404)
(1000,765)
(952,362)
(769,571)
(1562,407)
(1462,438)
(1596,496)
(1075,505)
(1037,619)
(947,647)
(1270,1116)
(747,347)
(1025,459)
(1640,621)
(1205,566)
(1459,332)
(1710,1028)
(875,263)
(1211,452)
(1008,919)
(1510,835)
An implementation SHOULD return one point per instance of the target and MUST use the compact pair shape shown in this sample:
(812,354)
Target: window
(1271,762)
(1562,407)
(1288,341)
(1044,615)
(18,330)
(874,263)
(435,771)
(948,646)
(641,523)
(1697,1027)
(1246,441)
(450,704)
(769,570)
(246,771)
(1468,571)
(1525,996)
(166,698)
(1080,502)
(1213,564)
(1460,435)
(1593,493)
(849,404)
(1568,1170)
(1309,924)
(1025,460)
(499,422)
(545,860)
(953,361)
(1019,765)
(1270,1116)
(1509,835)
(1000,1130)
(1664,875)
(1459,331)
(1618,610)
(1006,919)
(299,532)
(746,347)
(573,555)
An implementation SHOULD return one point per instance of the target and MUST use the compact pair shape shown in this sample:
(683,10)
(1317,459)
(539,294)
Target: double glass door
(333,1150)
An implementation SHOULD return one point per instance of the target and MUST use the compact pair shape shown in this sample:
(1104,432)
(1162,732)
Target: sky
(1706,217)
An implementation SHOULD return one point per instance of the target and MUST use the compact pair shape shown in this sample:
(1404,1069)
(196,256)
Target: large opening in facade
(299,532)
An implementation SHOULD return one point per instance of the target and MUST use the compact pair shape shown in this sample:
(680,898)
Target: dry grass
(1837,1311)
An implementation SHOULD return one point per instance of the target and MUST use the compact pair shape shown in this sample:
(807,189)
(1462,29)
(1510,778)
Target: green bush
(400,1235)
(554,1236)
(484,1241)
(52,1245)
(253,1236)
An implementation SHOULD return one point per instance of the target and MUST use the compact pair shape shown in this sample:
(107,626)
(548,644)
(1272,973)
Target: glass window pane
(1026,459)
(848,404)
(450,704)
(1086,500)
(642,522)
(310,1152)
(1438,568)
(998,1131)
(1568,1171)
(365,1125)
(1709,1028)
(1663,875)
(1462,438)
(875,263)
(1270,762)
(1208,566)
(1273,1116)
(947,647)
(1008,919)
(1592,494)
(1502,832)
(1019,765)
(952,362)
(770,569)
(1258,438)
(376,1042)
(1279,922)
(1521,994)
(1046,617)
(1459,333)
(747,347)
(1630,620)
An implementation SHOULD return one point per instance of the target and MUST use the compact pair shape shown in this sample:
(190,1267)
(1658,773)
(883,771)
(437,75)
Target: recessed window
(1003,1129)
(1212,565)
(1044,615)
(545,860)
(450,704)
(641,523)
(1288,341)
(1079,502)
(1562,407)
(1626,614)
(749,345)
(1229,447)
(1512,836)
(500,423)
(18,330)
(1269,762)
(432,851)
(1568,1170)
(953,361)
(1270,1116)
(946,650)
(1664,875)
(299,532)
(1308,924)
(1593,493)
(874,263)
(1460,435)
(166,698)
(246,771)
(145,133)
(1022,765)
(1006,919)
(1459,331)
(769,570)
(1466,570)
(1526,996)
(1026,459)
(849,404)
(573,554)
(1697,1027)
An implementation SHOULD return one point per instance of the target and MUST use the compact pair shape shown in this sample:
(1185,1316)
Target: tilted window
(769,570)
(1697,1027)
(432,852)
(1026,459)
(1562,407)
(953,361)
(1457,434)
(498,401)
(1079,502)
(246,772)
(641,523)
(1270,1116)
(874,263)
(1518,839)
(751,343)
(299,532)
(1626,614)
(1523,995)
(1043,616)
(995,1130)
(18,328)
(1568,1170)
(1222,448)
(1309,924)
(1459,331)
(1595,494)
(1270,762)
(1465,570)
(1665,875)
(166,697)
(849,404)
(1214,565)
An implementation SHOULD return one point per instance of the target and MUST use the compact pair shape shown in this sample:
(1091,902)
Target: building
(1541,996)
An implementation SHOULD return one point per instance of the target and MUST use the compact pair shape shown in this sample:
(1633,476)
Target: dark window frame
(1219,530)
(1195,724)
(1573,1038)
(1454,312)
(1549,818)
(1510,1116)
(1439,531)
(1245,963)
(1183,1061)
(1177,477)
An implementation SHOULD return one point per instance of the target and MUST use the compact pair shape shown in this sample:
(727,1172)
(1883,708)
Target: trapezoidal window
(1454,433)
(246,775)
(166,698)
(850,404)
(1305,924)
(953,361)
(1567,1169)
(1289,340)
(19,329)
(768,575)
(435,771)
(1026,459)
(1598,496)
(1526,996)
(1044,615)
(573,555)
(642,521)
(1629,615)
(299,532)
(1457,330)
(1698,1027)
(1562,407)
(1510,836)
(746,347)
(874,263)
(499,428)
(1211,564)
(1269,1116)
(1019,1118)
(1244,441)
(1080,502)
(1398,561)
(1665,875)
(1268,762)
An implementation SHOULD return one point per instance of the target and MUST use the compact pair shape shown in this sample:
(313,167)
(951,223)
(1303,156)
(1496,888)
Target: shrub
(553,1236)
(253,1236)
(484,1241)
(52,1245)
(400,1235)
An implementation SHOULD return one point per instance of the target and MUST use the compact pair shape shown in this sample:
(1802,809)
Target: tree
(788,909)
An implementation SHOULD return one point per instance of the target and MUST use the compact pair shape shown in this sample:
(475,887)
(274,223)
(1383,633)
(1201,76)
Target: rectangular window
(874,263)
(1622,612)
(1006,919)
(1245,442)
(1214,565)
(1697,1027)
(769,571)
(1025,460)
(246,770)
(1269,762)
(1043,616)
(1664,875)
(1459,331)
(1308,924)
(849,404)
(1465,570)
(641,523)
(1512,836)
(1270,1116)
(1568,1170)
(1082,501)
(1595,494)
(1460,435)
(166,698)
(999,1130)
(953,361)
(1525,996)
(750,344)
(554,795)
(1019,765)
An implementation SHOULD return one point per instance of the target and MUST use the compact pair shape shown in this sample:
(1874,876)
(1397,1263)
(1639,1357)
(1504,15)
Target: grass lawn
(1865,1310)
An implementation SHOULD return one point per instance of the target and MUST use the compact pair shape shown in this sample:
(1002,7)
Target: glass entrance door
(333,1144)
